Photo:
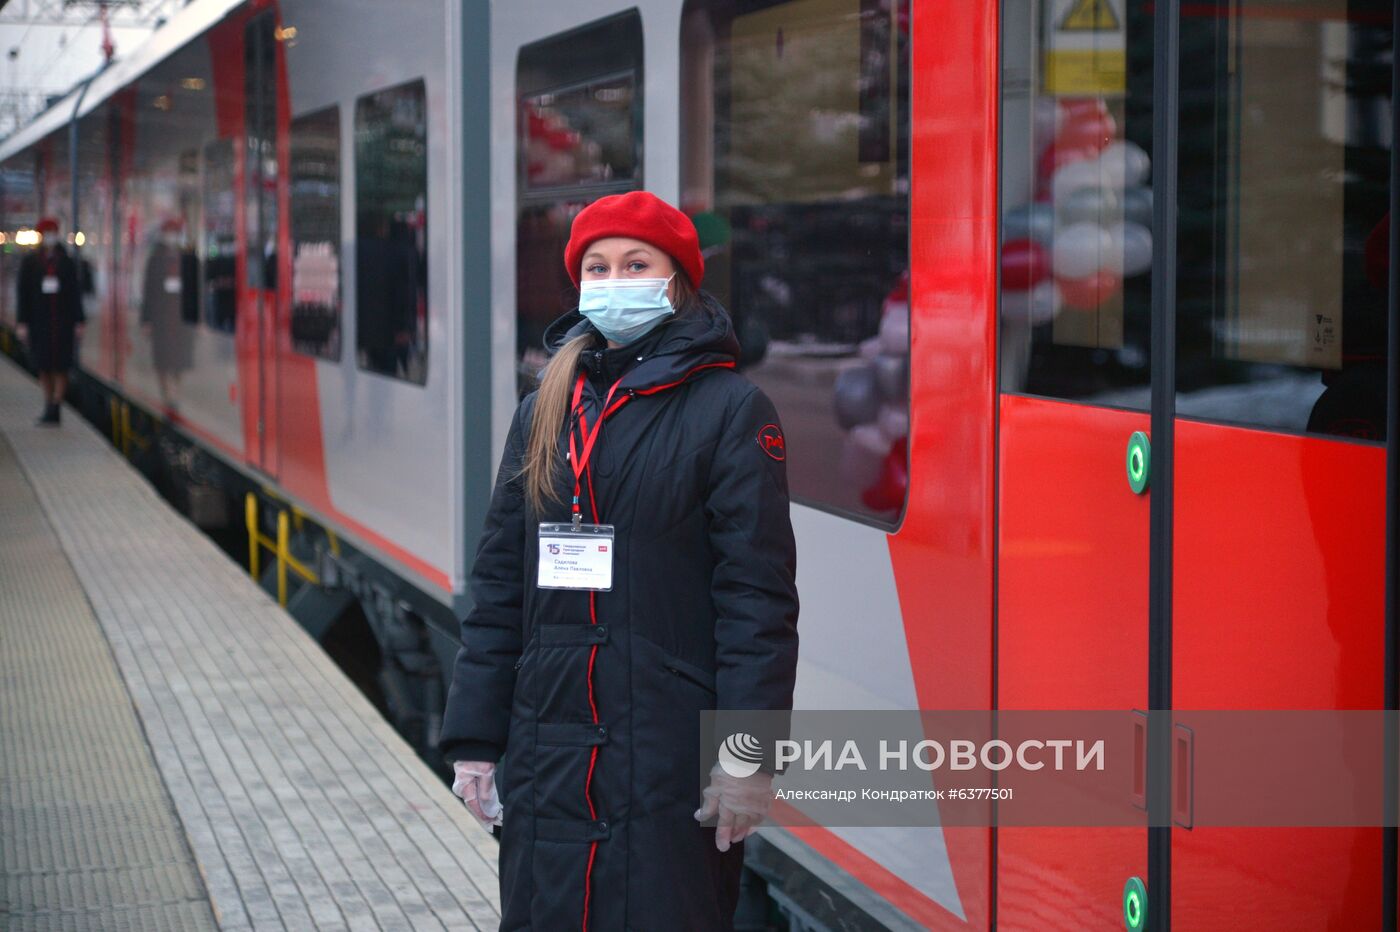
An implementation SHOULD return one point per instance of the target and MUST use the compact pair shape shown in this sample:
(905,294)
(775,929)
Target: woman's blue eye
(597,269)
(636,266)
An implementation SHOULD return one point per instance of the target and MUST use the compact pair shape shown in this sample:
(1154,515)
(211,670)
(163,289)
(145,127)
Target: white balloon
(1080,250)
(1037,305)
(1132,243)
(894,330)
(1070,178)
(893,422)
(1047,119)
(863,456)
(1124,164)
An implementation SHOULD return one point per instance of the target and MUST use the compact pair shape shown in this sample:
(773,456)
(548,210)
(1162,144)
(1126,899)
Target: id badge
(49,285)
(576,556)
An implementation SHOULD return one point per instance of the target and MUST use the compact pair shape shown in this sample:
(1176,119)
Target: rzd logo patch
(770,441)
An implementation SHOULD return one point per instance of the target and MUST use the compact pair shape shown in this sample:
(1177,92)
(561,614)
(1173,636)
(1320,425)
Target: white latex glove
(475,784)
(741,803)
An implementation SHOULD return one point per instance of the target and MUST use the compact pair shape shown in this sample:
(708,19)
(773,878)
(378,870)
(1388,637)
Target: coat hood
(701,338)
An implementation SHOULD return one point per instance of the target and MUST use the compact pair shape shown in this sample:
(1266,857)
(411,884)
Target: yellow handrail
(281,548)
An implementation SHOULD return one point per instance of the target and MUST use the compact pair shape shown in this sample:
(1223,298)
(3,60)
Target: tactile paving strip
(304,808)
(88,834)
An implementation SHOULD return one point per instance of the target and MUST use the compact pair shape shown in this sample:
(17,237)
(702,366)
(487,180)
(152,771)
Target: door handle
(1138,795)
(1183,775)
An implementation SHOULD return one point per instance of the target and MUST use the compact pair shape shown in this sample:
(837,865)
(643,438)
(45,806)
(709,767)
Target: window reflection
(579,137)
(315,219)
(260,126)
(219,237)
(1076,225)
(391,261)
(795,127)
(1284,242)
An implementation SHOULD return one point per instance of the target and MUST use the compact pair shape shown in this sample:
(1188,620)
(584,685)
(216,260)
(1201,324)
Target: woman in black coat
(581,706)
(50,314)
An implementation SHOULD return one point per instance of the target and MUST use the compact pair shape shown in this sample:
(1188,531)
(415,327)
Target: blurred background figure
(171,281)
(50,314)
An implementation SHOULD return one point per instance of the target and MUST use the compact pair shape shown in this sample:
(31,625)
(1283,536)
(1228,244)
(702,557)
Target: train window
(315,230)
(260,167)
(795,169)
(391,232)
(219,240)
(1076,195)
(579,137)
(1284,219)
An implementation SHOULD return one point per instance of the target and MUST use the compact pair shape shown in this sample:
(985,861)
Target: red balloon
(1024,264)
(1080,106)
(1059,154)
(887,494)
(1087,294)
(1092,130)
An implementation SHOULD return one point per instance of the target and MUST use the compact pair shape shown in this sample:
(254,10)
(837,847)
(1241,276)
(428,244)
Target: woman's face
(623,257)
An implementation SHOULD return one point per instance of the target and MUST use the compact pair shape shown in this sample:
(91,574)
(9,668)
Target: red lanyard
(577,460)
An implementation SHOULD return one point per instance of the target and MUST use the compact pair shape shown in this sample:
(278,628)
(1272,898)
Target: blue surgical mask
(625,309)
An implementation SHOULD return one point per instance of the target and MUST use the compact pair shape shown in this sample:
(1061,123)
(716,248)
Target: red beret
(46,225)
(637,215)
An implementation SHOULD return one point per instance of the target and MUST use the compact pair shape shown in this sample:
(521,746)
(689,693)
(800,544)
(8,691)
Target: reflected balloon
(887,492)
(856,396)
(894,331)
(1024,262)
(1137,206)
(1091,205)
(1073,177)
(1029,221)
(1091,291)
(1037,305)
(1080,249)
(892,377)
(1133,244)
(862,456)
(1124,164)
(1057,155)
(893,422)
(1087,127)
(1047,118)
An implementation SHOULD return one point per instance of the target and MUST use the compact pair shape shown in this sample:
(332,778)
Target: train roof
(187,24)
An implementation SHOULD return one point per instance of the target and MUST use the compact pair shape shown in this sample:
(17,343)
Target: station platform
(175,752)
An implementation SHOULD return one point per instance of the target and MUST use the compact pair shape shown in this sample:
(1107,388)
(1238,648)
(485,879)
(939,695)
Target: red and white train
(324,238)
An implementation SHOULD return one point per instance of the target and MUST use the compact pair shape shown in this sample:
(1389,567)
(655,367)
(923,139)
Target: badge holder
(576,556)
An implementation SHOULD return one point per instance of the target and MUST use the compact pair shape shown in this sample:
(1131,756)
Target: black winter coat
(702,615)
(50,317)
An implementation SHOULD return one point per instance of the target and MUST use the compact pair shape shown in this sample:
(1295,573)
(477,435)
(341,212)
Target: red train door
(1278,556)
(261,210)
(1270,556)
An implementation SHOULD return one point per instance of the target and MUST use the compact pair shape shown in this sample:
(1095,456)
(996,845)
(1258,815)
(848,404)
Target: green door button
(1139,461)
(1134,905)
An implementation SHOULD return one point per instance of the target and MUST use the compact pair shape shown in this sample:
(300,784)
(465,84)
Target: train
(321,241)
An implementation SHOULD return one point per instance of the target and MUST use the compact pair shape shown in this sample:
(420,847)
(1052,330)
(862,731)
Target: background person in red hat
(577,694)
(50,314)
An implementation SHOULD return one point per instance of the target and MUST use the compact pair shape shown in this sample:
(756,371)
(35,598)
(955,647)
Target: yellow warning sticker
(1085,48)
(1090,16)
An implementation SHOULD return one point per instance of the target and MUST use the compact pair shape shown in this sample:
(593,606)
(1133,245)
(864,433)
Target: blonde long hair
(542,458)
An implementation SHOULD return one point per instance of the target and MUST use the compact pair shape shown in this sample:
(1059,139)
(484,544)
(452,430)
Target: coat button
(602,826)
(602,731)
(600,631)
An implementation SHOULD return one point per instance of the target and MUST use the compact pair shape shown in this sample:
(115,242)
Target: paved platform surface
(219,769)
